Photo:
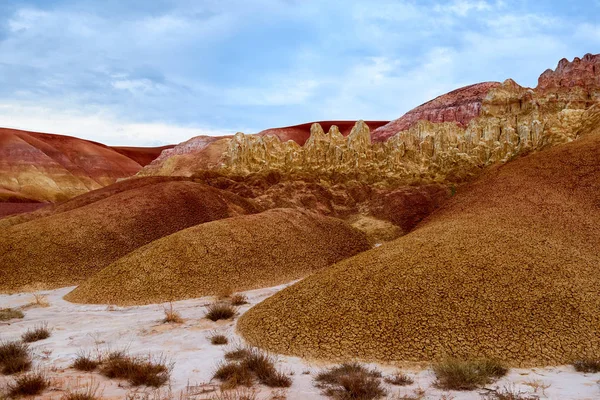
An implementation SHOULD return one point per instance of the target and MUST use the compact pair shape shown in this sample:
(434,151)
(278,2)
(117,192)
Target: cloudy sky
(154,72)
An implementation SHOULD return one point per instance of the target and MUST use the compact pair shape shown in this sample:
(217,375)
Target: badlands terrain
(452,253)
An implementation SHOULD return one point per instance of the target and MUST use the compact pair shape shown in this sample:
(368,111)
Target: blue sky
(153,72)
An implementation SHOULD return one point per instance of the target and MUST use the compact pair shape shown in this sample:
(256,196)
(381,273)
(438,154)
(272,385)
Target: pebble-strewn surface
(509,268)
(241,253)
(68,247)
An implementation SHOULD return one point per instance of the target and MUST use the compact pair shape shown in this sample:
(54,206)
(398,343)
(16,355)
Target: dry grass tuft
(89,392)
(350,381)
(14,357)
(237,354)
(238,394)
(454,374)
(218,339)
(7,314)
(30,384)
(172,316)
(137,371)
(39,300)
(40,332)
(220,310)
(233,375)
(587,365)
(399,379)
(85,362)
(509,394)
(239,300)
(245,365)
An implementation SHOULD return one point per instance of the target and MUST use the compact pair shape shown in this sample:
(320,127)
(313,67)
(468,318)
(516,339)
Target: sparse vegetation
(233,374)
(85,362)
(350,381)
(454,374)
(89,392)
(40,332)
(239,353)
(220,310)
(587,365)
(30,384)
(6,314)
(245,365)
(238,394)
(509,394)
(172,316)
(14,357)
(399,379)
(239,300)
(136,370)
(39,300)
(218,339)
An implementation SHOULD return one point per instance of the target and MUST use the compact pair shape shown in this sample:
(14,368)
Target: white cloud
(464,7)
(98,125)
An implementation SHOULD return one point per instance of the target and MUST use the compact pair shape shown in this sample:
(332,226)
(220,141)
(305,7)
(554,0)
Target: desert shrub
(30,384)
(40,332)
(454,374)
(233,375)
(587,365)
(239,353)
(14,357)
(84,362)
(10,313)
(136,370)
(399,379)
(239,300)
(218,339)
(172,316)
(247,364)
(219,310)
(350,381)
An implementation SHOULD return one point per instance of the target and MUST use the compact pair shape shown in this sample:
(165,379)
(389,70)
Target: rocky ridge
(512,121)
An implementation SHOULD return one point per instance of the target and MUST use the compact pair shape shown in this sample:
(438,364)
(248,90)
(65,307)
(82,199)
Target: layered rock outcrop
(46,167)
(507,122)
(204,152)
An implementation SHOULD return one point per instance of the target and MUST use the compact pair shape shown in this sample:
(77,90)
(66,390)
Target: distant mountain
(42,167)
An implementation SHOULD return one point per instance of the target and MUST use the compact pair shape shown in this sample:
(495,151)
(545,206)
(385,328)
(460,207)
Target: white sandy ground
(94,328)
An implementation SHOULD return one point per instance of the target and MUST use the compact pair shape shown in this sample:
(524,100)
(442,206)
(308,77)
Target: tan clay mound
(69,247)
(241,253)
(509,268)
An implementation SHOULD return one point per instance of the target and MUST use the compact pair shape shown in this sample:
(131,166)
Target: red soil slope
(48,167)
(68,247)
(142,155)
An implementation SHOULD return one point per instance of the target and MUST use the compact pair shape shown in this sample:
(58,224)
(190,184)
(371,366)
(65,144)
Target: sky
(146,73)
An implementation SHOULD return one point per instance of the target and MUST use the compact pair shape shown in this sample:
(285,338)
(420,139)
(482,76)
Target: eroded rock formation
(509,121)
